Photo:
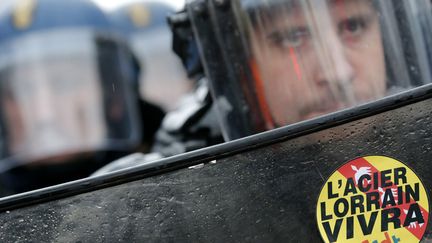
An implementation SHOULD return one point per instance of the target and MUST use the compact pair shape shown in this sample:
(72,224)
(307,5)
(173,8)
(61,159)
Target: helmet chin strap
(262,101)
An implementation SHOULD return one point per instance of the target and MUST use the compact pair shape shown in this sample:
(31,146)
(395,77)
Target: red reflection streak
(294,60)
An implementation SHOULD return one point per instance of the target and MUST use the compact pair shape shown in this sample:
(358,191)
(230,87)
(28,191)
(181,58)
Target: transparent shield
(294,60)
(262,189)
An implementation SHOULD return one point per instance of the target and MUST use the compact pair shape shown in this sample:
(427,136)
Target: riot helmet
(277,62)
(64,76)
(144,24)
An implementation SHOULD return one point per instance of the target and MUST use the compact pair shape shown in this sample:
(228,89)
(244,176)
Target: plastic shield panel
(278,62)
(263,188)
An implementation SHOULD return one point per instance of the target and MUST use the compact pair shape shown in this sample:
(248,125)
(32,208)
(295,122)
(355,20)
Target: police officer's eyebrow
(359,19)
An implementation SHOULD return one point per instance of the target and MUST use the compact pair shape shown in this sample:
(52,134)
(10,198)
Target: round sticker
(373,199)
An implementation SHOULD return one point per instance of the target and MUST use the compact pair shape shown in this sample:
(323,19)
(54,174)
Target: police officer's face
(53,112)
(320,57)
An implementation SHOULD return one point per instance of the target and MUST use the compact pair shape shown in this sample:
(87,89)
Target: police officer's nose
(335,61)
(336,70)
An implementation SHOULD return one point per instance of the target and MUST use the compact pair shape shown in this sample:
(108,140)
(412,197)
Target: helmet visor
(293,60)
(55,99)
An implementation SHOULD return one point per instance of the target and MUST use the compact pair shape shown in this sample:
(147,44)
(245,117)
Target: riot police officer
(67,103)
(280,62)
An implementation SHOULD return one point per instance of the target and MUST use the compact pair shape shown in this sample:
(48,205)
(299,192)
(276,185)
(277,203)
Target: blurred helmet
(64,83)
(278,62)
(144,23)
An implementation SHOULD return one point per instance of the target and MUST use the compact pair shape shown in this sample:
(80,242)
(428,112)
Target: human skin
(318,58)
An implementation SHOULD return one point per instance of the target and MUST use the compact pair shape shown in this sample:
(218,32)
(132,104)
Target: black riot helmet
(278,62)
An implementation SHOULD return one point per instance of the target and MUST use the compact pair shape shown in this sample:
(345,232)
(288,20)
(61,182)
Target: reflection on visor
(67,96)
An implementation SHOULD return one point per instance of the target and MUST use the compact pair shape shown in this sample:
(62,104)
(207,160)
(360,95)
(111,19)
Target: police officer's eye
(353,26)
(292,38)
